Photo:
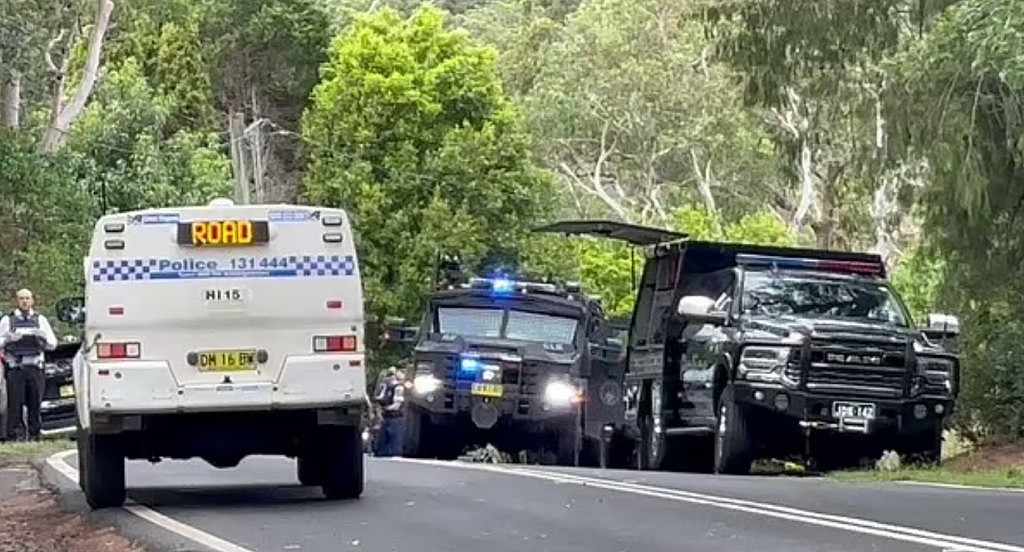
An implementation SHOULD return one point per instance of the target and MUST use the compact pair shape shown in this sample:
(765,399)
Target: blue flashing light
(797,263)
(502,286)
(470,365)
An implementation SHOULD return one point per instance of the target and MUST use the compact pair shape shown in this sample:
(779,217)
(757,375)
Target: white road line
(958,486)
(894,532)
(57,462)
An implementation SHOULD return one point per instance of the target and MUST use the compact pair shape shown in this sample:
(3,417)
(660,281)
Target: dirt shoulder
(31,518)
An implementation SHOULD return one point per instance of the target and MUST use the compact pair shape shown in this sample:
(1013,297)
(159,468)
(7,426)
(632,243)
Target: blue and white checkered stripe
(151,269)
(324,265)
(124,269)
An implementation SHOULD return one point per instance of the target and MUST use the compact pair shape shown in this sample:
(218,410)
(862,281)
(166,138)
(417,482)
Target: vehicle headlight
(937,371)
(559,393)
(423,384)
(763,363)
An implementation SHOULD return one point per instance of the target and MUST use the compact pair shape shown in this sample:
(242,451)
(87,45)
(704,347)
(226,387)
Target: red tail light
(334,343)
(118,350)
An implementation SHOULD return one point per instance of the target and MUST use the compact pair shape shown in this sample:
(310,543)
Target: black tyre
(568,446)
(733,450)
(101,470)
(343,475)
(651,454)
(923,449)
(310,470)
(416,439)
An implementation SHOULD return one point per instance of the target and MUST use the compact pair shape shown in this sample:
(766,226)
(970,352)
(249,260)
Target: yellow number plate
(227,361)
(67,391)
(487,389)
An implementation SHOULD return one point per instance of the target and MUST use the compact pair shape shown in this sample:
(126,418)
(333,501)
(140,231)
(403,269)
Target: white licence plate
(853,411)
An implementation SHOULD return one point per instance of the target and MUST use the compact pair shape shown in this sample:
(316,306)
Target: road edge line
(954,486)
(213,542)
(842,523)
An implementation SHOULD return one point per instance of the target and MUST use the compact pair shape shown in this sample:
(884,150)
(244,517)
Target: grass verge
(994,467)
(26,453)
(1010,478)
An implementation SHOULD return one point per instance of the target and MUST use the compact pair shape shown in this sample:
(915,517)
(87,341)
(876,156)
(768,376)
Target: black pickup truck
(739,352)
(58,408)
(58,413)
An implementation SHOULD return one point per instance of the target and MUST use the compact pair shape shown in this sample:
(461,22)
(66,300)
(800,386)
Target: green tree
(129,155)
(46,216)
(636,118)
(956,103)
(410,131)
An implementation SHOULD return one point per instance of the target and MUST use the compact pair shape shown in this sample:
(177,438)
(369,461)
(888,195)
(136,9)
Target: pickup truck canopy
(632,233)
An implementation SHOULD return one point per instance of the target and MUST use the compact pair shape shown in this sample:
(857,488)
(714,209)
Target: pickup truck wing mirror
(700,310)
(944,329)
(400,335)
(947,324)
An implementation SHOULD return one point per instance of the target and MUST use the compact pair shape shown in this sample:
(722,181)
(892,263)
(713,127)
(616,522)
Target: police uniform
(391,396)
(26,336)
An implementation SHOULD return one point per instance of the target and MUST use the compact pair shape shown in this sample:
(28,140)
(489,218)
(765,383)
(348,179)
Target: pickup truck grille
(868,366)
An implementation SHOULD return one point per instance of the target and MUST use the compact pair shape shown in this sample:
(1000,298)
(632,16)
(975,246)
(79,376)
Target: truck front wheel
(924,448)
(416,441)
(101,470)
(733,451)
(342,474)
(568,445)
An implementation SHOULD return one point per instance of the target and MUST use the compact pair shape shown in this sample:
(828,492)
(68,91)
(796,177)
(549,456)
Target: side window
(718,285)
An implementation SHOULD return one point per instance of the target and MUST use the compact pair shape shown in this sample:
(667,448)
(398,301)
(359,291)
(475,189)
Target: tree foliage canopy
(884,125)
(410,131)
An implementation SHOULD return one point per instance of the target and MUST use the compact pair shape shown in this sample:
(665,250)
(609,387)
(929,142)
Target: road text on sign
(227,361)
(225,233)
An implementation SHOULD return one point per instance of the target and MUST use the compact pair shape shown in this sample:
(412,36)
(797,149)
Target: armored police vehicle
(218,332)
(521,365)
(738,352)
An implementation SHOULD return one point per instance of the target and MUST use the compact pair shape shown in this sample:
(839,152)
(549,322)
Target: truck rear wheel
(342,474)
(310,470)
(101,470)
(733,451)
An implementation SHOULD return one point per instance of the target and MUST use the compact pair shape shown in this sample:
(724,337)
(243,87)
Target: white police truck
(219,332)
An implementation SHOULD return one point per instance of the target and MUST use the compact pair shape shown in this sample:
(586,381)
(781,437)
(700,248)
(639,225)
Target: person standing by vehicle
(25,336)
(390,395)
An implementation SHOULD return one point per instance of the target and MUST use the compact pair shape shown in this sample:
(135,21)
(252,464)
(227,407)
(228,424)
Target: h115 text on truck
(219,332)
(738,352)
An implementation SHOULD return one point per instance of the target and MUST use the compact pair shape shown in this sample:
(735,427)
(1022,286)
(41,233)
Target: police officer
(25,335)
(391,396)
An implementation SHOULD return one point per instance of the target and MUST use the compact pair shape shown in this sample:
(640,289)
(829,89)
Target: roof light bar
(506,286)
(797,263)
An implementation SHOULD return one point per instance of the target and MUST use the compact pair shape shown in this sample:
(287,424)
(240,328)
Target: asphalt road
(424,507)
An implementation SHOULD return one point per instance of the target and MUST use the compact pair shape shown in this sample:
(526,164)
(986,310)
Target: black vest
(28,345)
